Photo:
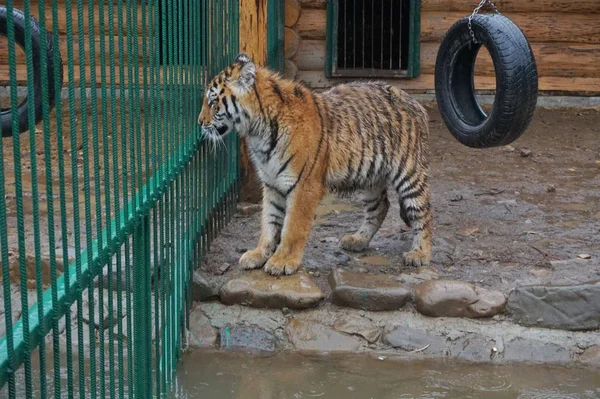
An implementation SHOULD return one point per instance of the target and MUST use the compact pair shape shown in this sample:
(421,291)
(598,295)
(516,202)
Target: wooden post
(253,41)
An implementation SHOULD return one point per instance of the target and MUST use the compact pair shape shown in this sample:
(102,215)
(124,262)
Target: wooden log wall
(74,39)
(564,36)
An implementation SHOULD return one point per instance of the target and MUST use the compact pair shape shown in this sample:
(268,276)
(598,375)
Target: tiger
(354,137)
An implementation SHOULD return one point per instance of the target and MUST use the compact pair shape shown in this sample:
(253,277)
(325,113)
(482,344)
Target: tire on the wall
(516,81)
(6,118)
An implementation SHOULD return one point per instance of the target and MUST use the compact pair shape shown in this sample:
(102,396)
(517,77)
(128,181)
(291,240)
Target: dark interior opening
(373,35)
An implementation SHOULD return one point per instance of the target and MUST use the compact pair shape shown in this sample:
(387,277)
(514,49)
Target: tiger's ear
(247,73)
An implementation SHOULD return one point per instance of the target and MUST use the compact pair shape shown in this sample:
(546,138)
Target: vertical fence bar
(142,323)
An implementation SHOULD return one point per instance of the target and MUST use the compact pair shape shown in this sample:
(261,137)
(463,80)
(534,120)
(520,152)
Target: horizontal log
(292,42)
(291,70)
(537,27)
(22,75)
(560,6)
(311,55)
(318,80)
(318,4)
(552,59)
(292,12)
(62,17)
(312,24)
(22,59)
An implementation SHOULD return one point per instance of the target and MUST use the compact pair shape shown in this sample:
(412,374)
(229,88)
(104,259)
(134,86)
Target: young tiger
(357,136)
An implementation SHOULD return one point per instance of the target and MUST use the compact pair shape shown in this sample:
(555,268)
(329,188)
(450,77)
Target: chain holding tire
(516,79)
(475,11)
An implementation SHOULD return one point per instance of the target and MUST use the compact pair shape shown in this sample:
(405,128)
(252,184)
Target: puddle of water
(220,375)
(376,260)
(330,204)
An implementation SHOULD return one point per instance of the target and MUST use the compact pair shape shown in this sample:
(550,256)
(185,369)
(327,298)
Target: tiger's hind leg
(415,211)
(376,205)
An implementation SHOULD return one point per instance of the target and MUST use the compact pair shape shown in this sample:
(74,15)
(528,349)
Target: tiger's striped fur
(356,136)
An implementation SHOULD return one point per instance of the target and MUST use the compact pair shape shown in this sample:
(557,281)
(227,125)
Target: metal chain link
(475,11)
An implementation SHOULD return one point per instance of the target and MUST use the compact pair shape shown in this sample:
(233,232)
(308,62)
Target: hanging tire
(38,51)
(516,81)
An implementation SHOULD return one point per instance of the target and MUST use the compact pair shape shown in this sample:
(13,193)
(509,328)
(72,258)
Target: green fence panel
(112,196)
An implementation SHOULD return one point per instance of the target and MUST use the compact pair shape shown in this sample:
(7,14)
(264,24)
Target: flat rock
(247,339)
(453,298)
(260,290)
(308,336)
(201,289)
(201,333)
(366,291)
(357,325)
(410,339)
(591,356)
(423,273)
(472,347)
(529,350)
(573,307)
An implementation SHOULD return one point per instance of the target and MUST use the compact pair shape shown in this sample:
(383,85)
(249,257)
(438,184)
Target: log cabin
(312,41)
(331,41)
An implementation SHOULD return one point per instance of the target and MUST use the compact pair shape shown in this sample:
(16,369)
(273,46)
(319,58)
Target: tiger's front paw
(416,258)
(253,259)
(354,243)
(276,266)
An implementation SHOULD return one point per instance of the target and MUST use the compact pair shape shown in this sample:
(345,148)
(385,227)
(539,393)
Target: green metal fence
(113,197)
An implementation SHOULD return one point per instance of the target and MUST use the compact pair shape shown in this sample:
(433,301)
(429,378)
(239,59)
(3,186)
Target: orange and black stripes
(355,136)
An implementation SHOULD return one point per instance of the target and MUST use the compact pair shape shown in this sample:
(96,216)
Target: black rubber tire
(6,118)
(516,81)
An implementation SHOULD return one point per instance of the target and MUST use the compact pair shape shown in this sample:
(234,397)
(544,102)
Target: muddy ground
(509,216)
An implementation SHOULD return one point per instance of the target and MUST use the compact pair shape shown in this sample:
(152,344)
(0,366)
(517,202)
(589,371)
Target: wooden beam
(425,82)
(292,42)
(62,40)
(318,4)
(253,41)
(253,29)
(62,17)
(292,12)
(552,59)
(504,6)
(538,27)
(22,75)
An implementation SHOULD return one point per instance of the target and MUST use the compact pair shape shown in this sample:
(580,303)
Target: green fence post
(142,313)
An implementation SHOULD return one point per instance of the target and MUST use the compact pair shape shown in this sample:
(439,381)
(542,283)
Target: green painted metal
(276,35)
(414,48)
(140,194)
(414,54)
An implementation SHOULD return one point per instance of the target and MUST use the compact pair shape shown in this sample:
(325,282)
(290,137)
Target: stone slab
(367,291)
(411,339)
(472,347)
(247,339)
(201,289)
(532,351)
(574,307)
(591,356)
(258,289)
(357,325)
(309,336)
(454,298)
(201,334)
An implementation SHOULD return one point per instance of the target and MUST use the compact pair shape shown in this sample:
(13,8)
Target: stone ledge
(574,307)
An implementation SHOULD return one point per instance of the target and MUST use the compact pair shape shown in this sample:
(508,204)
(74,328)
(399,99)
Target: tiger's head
(227,99)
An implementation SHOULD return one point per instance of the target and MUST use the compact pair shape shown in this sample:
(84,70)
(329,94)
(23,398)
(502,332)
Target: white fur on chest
(271,171)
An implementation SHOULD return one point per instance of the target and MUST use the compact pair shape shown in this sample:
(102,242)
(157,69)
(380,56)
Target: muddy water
(222,375)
